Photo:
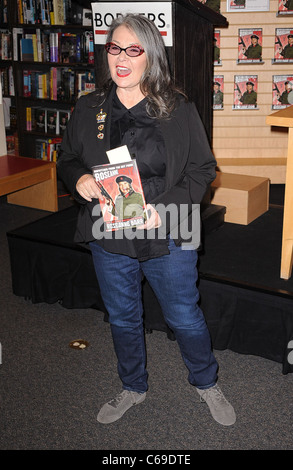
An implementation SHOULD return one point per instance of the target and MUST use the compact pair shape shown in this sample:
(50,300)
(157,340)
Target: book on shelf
(123,204)
(17,34)
(49,46)
(58,8)
(4,11)
(64,117)
(39,120)
(87,17)
(85,82)
(7,81)
(49,12)
(26,50)
(47,148)
(47,120)
(5,45)
(52,121)
(12,143)
(57,83)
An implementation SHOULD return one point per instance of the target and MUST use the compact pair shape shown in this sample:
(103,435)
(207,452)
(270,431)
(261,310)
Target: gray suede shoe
(221,410)
(115,408)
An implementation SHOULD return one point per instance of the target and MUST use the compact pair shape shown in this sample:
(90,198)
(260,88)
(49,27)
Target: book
(58,11)
(26,49)
(68,48)
(63,120)
(123,203)
(40,120)
(52,124)
(85,82)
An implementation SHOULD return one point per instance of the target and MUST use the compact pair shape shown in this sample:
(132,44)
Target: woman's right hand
(87,187)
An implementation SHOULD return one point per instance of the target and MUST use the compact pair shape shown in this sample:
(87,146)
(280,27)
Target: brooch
(101,117)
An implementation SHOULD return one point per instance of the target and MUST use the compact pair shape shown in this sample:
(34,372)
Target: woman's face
(126,71)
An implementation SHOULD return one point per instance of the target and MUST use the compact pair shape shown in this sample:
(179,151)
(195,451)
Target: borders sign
(158,12)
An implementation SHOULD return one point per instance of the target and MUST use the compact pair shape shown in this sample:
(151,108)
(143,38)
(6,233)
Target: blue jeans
(173,278)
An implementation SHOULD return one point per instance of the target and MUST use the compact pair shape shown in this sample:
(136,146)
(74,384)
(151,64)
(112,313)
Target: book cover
(250,45)
(63,120)
(245,92)
(26,49)
(123,203)
(68,47)
(218,92)
(52,121)
(283,45)
(58,11)
(217,48)
(40,120)
(282,91)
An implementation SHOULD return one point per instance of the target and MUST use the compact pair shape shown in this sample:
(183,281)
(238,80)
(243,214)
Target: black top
(142,135)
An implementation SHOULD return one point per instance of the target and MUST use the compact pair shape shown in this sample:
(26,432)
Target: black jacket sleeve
(70,165)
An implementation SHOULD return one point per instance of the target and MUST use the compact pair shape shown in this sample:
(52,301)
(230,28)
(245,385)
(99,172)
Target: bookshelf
(48,64)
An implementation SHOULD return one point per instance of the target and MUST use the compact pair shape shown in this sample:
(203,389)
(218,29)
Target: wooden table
(284,118)
(29,182)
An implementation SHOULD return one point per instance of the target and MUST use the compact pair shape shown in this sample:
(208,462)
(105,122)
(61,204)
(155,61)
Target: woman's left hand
(154,220)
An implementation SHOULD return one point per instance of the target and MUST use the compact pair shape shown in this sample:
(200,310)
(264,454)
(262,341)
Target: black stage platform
(248,308)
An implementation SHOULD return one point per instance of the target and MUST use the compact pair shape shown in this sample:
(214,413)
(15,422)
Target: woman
(141,108)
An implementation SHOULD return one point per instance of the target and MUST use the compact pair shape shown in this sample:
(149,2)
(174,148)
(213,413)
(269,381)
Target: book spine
(20,11)
(91,57)
(17,34)
(11,82)
(39,45)
(35,47)
(28,118)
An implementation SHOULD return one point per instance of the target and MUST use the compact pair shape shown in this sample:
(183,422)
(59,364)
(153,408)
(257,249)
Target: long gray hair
(156,82)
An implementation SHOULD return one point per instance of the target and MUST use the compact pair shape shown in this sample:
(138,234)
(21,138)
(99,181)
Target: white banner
(158,12)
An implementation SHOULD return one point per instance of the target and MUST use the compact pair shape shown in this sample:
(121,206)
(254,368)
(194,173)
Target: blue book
(26,49)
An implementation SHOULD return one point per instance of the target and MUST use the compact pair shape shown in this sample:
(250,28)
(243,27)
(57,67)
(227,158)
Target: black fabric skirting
(248,318)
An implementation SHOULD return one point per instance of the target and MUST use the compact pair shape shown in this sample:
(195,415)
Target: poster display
(250,45)
(283,51)
(248,5)
(285,7)
(282,91)
(217,47)
(218,92)
(245,92)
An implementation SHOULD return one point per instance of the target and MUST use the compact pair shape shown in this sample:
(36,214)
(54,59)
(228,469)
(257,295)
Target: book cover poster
(283,45)
(248,5)
(218,92)
(63,120)
(250,45)
(123,203)
(213,4)
(217,48)
(40,120)
(236,5)
(245,92)
(282,91)
(52,121)
(285,7)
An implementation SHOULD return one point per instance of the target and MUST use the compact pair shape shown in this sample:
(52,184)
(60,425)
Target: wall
(242,141)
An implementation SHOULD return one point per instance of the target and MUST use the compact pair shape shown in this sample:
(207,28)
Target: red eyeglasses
(131,51)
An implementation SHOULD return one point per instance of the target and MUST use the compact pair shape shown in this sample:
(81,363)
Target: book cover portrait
(123,203)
